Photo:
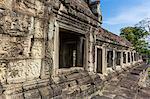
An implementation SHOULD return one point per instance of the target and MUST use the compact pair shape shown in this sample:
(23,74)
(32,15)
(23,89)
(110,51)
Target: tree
(136,36)
(145,24)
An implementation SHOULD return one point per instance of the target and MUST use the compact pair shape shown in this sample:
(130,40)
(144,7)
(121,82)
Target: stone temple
(57,49)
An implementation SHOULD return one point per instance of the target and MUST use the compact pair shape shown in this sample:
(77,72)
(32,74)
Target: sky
(122,13)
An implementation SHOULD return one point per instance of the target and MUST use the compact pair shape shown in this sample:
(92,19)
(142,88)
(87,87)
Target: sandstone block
(56,90)
(32,94)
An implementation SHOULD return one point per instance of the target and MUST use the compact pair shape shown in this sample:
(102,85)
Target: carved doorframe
(104,61)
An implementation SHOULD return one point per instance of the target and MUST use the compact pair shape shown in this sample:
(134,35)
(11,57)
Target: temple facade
(57,49)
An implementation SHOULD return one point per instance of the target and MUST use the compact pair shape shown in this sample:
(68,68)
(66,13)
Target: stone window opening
(129,57)
(110,58)
(99,61)
(118,58)
(132,58)
(135,57)
(124,57)
(71,49)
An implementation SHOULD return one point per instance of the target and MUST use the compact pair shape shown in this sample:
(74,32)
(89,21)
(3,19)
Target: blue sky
(121,13)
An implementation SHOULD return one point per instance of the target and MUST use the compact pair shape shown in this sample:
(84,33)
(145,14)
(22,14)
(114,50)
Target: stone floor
(126,86)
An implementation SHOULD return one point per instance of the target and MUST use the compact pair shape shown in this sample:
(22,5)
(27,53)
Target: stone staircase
(79,84)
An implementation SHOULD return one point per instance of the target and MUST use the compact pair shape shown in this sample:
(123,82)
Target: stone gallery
(57,49)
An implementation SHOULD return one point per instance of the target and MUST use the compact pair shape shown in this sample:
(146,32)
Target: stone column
(114,60)
(121,60)
(136,57)
(80,51)
(104,60)
(56,50)
(90,67)
(133,58)
(86,53)
(126,57)
(130,57)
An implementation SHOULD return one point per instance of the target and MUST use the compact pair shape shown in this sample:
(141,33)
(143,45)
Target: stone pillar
(90,67)
(131,57)
(121,60)
(56,51)
(126,58)
(80,51)
(114,60)
(136,57)
(86,53)
(104,60)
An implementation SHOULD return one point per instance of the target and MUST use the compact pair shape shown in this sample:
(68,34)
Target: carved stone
(35,35)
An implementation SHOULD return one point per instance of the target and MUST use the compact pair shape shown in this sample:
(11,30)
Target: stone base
(77,83)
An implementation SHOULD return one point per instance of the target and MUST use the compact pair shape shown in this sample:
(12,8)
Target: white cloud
(131,15)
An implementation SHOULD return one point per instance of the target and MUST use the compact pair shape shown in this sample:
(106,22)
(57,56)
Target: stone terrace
(126,86)
(58,49)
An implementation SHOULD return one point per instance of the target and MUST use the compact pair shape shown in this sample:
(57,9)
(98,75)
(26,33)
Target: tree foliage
(136,36)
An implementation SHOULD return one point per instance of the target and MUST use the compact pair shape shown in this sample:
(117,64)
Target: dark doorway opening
(109,58)
(132,57)
(99,60)
(71,50)
(124,57)
(135,57)
(129,57)
(118,58)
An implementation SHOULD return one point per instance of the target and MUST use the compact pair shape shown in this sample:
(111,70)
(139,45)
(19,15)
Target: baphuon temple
(58,49)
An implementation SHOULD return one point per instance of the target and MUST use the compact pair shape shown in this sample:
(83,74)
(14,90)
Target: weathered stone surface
(119,97)
(14,47)
(1,89)
(32,94)
(142,95)
(30,49)
(136,72)
(97,81)
(100,97)
(56,90)
(16,96)
(127,87)
(145,90)
(132,77)
(2,97)
(46,92)
(129,84)
(16,71)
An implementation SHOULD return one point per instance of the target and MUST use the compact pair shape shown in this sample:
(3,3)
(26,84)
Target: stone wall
(28,43)
(22,39)
(29,49)
(26,46)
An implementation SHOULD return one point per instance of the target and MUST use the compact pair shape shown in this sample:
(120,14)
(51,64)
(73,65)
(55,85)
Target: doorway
(99,61)
(110,58)
(118,58)
(124,57)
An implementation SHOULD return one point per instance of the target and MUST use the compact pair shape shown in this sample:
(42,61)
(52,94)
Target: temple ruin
(57,49)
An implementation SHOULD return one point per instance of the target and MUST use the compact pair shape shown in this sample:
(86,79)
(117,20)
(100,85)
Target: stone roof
(81,6)
(80,9)
(105,35)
